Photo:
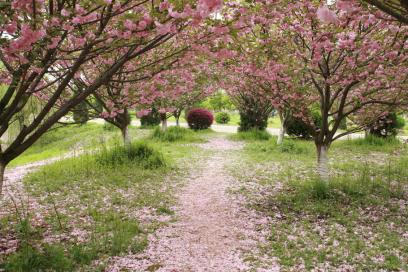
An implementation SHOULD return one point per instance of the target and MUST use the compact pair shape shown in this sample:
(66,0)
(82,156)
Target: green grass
(97,193)
(251,135)
(176,134)
(357,219)
(369,144)
(136,153)
(59,141)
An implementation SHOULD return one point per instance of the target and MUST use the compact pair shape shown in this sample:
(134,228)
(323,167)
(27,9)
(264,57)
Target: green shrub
(297,127)
(252,119)
(290,147)
(49,258)
(387,126)
(81,113)
(138,152)
(150,120)
(222,118)
(252,135)
(173,134)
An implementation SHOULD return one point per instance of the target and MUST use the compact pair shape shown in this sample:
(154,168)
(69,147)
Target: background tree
(346,65)
(44,44)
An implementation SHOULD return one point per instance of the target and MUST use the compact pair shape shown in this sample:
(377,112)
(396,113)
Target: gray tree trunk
(323,162)
(282,129)
(164,124)
(281,135)
(126,136)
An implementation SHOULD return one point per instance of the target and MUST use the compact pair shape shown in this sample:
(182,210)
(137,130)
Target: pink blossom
(11,28)
(163,29)
(325,15)
(345,5)
(65,13)
(143,112)
(212,4)
(54,42)
(164,5)
(141,25)
(129,25)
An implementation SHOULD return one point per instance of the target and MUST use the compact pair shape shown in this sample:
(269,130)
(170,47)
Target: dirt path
(213,229)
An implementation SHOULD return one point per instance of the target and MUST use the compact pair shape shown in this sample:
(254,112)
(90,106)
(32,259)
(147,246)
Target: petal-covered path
(213,230)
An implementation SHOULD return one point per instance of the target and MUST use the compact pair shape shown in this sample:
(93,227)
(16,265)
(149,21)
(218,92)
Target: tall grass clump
(138,152)
(252,135)
(372,140)
(174,134)
(369,144)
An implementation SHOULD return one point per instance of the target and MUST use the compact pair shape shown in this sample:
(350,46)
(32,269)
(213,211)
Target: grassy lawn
(97,205)
(73,138)
(357,222)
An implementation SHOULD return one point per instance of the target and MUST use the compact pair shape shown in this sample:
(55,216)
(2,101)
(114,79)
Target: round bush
(222,118)
(199,119)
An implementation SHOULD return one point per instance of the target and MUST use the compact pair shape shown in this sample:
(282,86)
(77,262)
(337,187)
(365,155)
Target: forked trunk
(323,162)
(126,136)
(2,170)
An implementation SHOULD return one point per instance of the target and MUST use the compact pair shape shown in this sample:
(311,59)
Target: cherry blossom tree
(251,73)
(173,90)
(44,45)
(113,100)
(349,60)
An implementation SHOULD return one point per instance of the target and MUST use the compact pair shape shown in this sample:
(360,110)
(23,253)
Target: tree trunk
(282,129)
(178,120)
(125,135)
(323,162)
(164,124)
(2,170)
(366,133)
(281,135)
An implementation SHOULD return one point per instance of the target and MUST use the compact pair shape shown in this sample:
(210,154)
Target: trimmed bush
(151,119)
(138,152)
(199,119)
(222,118)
